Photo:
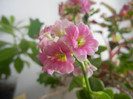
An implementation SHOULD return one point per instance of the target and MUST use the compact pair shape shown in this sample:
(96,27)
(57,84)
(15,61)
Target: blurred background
(47,12)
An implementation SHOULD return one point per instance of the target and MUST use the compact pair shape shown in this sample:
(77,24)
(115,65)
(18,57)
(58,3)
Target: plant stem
(85,75)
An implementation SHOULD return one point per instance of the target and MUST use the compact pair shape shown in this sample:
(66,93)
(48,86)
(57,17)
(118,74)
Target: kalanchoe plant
(72,47)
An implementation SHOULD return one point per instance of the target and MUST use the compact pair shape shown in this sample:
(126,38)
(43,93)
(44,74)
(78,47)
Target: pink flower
(59,27)
(79,41)
(89,71)
(87,45)
(55,60)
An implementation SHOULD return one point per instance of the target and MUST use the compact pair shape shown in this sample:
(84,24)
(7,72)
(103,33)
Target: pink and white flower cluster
(71,7)
(59,42)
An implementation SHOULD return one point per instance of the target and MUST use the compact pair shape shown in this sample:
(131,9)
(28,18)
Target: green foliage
(96,84)
(34,53)
(83,94)
(96,62)
(47,79)
(24,45)
(3,44)
(34,28)
(110,93)
(101,95)
(6,25)
(7,53)
(121,96)
(18,64)
(101,49)
(78,82)
(4,66)
(126,62)
(129,86)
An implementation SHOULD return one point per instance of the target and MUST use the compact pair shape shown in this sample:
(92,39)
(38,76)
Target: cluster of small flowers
(71,7)
(59,42)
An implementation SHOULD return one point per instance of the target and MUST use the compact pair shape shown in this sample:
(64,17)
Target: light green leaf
(12,19)
(110,93)
(101,95)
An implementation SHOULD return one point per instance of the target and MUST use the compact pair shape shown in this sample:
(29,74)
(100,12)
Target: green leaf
(27,63)
(24,45)
(96,84)
(33,45)
(96,62)
(34,28)
(121,96)
(101,95)
(4,20)
(83,94)
(110,93)
(4,66)
(3,43)
(7,53)
(34,58)
(47,79)
(130,87)
(18,64)
(78,81)
(101,49)
(12,19)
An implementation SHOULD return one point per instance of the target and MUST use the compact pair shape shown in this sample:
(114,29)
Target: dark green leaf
(129,86)
(18,64)
(7,53)
(47,79)
(78,82)
(110,93)
(121,96)
(4,66)
(34,58)
(4,20)
(24,45)
(33,45)
(34,28)
(96,62)
(96,84)
(101,49)
(83,94)
(3,43)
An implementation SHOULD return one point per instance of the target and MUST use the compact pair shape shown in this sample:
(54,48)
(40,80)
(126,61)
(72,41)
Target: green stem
(85,75)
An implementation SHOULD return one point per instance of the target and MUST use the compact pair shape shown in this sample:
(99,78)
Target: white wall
(47,12)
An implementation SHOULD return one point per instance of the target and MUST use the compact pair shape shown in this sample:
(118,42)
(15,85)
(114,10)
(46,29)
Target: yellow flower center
(81,41)
(62,57)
